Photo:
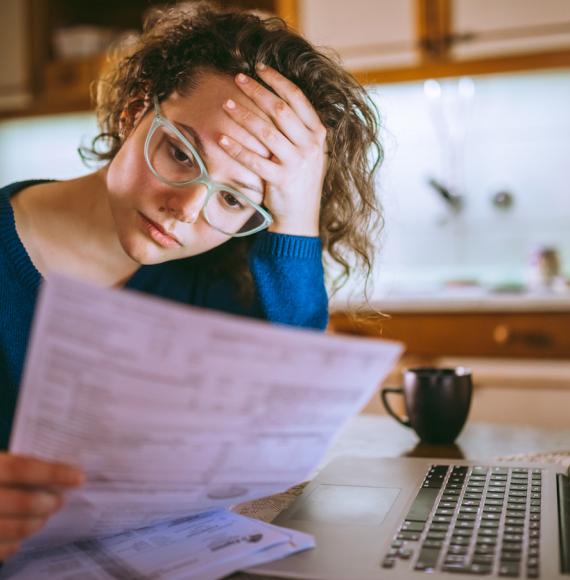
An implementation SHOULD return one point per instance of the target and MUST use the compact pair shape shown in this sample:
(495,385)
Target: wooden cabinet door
(493,28)
(536,335)
(365,33)
(14,63)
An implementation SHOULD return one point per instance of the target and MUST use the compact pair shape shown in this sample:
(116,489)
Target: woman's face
(156,222)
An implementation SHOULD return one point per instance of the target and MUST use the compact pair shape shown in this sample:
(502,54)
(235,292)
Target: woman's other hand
(296,138)
(30,492)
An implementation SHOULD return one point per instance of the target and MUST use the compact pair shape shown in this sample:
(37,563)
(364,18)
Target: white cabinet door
(14,64)
(365,33)
(507,27)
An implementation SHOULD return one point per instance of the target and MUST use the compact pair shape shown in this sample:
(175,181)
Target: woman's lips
(158,234)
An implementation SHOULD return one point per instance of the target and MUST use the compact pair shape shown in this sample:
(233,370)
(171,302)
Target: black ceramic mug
(437,402)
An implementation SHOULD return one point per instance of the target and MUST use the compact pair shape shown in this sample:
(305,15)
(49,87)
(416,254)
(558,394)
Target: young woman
(234,153)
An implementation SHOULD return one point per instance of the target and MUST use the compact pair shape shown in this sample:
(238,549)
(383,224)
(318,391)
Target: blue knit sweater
(287,271)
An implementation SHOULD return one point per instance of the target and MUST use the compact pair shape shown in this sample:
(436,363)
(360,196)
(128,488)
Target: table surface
(370,435)
(380,436)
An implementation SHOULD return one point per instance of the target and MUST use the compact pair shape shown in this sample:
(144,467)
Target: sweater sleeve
(289,279)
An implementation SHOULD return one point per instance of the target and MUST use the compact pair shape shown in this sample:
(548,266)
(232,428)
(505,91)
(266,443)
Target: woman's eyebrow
(193,134)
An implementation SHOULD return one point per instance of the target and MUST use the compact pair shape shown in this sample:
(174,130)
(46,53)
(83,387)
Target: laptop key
(409,526)
(432,544)
(483,558)
(457,550)
(460,533)
(456,567)
(480,569)
(436,535)
(509,569)
(409,536)
(438,527)
(511,556)
(460,541)
(423,504)
(427,559)
(484,549)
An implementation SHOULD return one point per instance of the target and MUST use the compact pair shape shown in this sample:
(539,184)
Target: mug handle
(384,396)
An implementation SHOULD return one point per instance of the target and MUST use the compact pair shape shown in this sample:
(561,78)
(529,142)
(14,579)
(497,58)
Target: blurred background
(474,96)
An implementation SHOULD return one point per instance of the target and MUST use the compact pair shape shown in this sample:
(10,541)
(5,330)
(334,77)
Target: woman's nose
(186,203)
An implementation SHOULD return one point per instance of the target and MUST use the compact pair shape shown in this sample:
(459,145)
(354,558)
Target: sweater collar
(24,268)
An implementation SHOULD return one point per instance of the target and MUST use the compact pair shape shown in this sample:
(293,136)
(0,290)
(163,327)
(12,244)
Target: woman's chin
(145,253)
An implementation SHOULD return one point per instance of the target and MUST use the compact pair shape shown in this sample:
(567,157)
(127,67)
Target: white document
(173,410)
(202,547)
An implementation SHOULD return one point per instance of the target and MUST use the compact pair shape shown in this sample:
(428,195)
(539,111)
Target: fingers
(264,168)
(17,529)
(19,470)
(263,130)
(286,119)
(23,513)
(287,90)
(7,550)
(14,531)
(24,507)
(248,139)
(30,503)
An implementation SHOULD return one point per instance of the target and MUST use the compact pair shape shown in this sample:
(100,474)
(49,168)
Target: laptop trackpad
(346,504)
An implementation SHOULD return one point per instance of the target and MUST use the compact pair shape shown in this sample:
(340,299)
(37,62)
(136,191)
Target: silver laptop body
(356,508)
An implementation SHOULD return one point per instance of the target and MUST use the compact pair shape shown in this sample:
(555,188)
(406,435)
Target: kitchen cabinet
(505,27)
(15,62)
(383,41)
(432,335)
(364,33)
(42,79)
(378,40)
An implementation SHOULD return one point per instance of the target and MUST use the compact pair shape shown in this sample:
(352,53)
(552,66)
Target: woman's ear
(131,115)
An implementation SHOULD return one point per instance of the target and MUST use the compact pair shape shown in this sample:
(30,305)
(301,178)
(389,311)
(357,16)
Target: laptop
(411,518)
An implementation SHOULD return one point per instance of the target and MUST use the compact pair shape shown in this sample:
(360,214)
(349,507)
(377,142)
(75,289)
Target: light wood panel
(541,335)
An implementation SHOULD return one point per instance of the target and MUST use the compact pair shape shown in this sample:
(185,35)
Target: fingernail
(230,104)
(242,78)
(260,66)
(224,141)
(70,476)
(49,502)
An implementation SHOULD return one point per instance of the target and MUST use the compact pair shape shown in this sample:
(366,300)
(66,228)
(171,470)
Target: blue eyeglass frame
(203,178)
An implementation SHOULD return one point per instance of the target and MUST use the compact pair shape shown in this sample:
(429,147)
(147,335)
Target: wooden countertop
(462,300)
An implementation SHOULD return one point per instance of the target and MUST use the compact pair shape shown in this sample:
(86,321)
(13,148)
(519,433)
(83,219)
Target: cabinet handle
(504,335)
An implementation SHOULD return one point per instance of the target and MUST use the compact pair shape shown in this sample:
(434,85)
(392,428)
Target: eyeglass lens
(227,211)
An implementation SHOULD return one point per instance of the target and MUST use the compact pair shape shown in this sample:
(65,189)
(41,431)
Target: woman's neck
(67,227)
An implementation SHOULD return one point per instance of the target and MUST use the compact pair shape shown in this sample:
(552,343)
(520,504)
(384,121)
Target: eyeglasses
(175,161)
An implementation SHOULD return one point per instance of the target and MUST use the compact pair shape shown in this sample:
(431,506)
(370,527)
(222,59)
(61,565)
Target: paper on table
(173,410)
(201,547)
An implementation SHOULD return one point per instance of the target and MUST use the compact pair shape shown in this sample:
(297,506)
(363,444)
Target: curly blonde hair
(177,44)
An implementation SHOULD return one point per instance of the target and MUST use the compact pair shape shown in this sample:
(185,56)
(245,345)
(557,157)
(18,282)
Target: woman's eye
(230,199)
(180,156)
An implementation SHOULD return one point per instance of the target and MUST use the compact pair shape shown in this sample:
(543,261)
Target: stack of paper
(176,412)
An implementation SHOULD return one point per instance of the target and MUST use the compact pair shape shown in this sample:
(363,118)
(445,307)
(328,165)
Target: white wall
(516,136)
(44,147)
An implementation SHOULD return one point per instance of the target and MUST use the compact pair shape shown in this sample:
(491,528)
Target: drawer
(68,78)
(487,334)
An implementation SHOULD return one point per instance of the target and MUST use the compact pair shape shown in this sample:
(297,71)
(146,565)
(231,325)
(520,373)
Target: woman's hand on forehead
(292,131)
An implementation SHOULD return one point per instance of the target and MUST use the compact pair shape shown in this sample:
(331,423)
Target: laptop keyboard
(474,520)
